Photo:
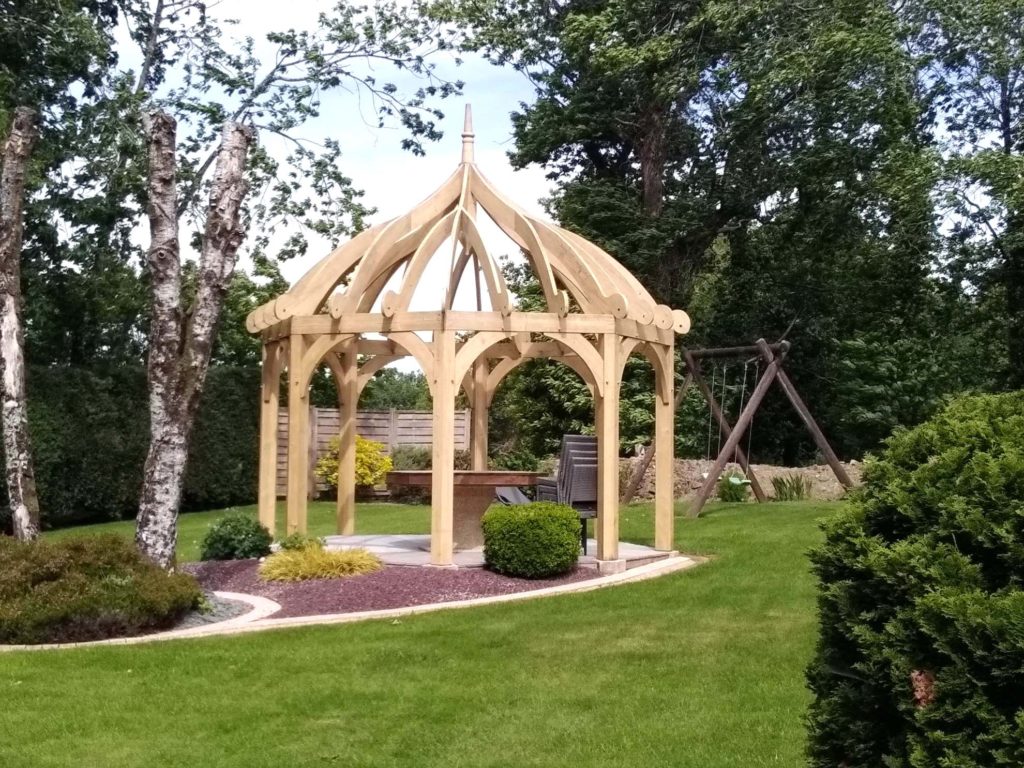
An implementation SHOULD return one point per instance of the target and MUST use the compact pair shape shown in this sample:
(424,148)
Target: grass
(192,526)
(702,668)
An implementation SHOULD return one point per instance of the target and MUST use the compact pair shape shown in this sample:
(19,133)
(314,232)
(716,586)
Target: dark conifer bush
(920,659)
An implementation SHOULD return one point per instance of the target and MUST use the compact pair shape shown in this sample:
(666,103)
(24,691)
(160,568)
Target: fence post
(392,430)
(314,430)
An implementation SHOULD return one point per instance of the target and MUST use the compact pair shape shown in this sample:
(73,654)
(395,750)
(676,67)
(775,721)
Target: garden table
(473,494)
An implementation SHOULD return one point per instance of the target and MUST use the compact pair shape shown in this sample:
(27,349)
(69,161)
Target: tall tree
(21,482)
(180,344)
(972,68)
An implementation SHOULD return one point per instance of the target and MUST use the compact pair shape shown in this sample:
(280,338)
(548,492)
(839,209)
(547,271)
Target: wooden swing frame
(773,356)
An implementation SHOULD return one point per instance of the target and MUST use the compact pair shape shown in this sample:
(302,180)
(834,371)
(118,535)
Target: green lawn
(370,518)
(701,668)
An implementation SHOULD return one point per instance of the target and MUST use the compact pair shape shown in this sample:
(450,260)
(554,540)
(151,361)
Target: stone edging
(257,619)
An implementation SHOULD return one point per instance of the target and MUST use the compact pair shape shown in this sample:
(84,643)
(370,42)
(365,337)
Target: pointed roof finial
(467,136)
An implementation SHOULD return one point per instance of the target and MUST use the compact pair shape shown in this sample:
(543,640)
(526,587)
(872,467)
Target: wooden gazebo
(352,311)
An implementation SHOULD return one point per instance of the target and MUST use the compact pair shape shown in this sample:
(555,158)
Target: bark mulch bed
(392,587)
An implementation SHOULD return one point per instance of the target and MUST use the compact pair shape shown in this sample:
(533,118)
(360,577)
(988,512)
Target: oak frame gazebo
(597,315)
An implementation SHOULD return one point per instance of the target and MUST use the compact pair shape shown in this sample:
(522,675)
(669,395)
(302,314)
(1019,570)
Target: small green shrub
(314,562)
(733,487)
(408,458)
(236,537)
(86,588)
(532,541)
(792,487)
(372,463)
(920,655)
(418,458)
(298,541)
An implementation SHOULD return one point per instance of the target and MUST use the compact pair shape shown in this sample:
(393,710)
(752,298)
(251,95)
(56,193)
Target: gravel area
(392,587)
(220,610)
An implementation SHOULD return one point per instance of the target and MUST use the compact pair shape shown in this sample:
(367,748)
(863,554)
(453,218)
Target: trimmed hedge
(532,541)
(920,659)
(236,537)
(90,433)
(86,588)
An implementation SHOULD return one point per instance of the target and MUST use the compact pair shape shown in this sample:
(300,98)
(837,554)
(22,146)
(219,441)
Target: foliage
(531,541)
(90,430)
(87,588)
(298,541)
(236,537)
(314,562)
(791,487)
(372,463)
(733,487)
(411,457)
(919,654)
(391,388)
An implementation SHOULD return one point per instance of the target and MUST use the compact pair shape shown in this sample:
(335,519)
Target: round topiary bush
(236,537)
(532,541)
(920,657)
(86,588)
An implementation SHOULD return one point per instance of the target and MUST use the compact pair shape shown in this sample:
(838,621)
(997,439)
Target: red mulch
(392,587)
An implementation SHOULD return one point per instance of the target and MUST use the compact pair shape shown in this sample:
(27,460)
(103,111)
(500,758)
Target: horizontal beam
(720,352)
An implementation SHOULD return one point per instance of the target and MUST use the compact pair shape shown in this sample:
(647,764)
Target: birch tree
(21,483)
(180,343)
(226,96)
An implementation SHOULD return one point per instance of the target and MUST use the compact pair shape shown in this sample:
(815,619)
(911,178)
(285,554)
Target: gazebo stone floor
(414,550)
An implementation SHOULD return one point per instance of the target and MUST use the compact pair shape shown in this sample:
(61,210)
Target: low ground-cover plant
(314,562)
(532,541)
(236,537)
(87,588)
(733,487)
(920,658)
(298,541)
(791,487)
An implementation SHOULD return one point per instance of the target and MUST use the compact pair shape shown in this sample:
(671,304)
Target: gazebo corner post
(348,398)
(664,455)
(443,450)
(607,427)
(479,415)
(270,391)
(298,437)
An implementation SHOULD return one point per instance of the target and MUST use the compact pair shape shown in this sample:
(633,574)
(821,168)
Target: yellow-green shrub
(371,462)
(315,562)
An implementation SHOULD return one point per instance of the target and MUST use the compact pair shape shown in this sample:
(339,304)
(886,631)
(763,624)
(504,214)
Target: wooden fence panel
(388,427)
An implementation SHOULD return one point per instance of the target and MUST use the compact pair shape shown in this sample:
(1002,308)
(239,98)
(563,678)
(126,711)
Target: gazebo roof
(574,274)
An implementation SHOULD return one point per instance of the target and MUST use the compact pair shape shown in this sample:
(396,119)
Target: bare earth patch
(392,587)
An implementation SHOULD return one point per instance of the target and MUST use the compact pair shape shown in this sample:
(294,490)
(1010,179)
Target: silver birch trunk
(21,482)
(180,347)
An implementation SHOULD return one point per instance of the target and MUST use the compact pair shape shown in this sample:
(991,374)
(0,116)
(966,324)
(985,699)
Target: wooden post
(443,466)
(298,437)
(270,389)
(348,397)
(607,418)
(314,453)
(805,415)
(640,471)
(664,444)
(741,458)
(478,427)
(734,437)
(392,430)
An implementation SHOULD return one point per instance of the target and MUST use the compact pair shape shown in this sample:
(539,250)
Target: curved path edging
(259,618)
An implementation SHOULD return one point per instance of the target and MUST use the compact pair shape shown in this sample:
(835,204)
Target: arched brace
(627,346)
(316,352)
(274,363)
(588,355)
(664,374)
(473,348)
(371,366)
(331,358)
(419,350)
(509,364)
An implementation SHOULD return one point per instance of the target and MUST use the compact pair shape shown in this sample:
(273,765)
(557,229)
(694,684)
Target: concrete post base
(607,567)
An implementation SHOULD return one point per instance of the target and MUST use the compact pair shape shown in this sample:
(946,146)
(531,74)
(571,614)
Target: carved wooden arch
(647,350)
(509,364)
(317,351)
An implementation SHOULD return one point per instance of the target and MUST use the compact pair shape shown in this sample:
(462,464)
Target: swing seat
(737,480)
